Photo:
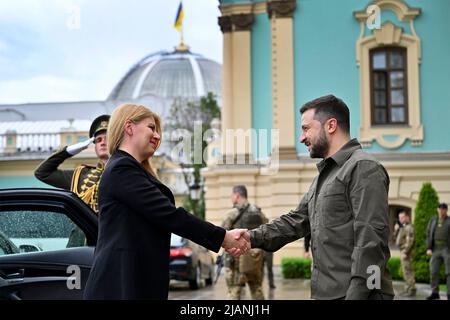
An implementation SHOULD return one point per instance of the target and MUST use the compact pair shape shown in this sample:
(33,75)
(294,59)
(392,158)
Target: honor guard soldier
(84,179)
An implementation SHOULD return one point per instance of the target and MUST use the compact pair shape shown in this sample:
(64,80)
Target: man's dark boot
(434,296)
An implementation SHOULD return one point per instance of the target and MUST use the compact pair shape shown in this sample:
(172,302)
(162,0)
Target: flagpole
(181,47)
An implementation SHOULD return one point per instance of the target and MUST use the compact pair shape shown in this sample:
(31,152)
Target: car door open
(47,239)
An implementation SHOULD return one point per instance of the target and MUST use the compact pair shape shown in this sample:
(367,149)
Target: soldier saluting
(83,180)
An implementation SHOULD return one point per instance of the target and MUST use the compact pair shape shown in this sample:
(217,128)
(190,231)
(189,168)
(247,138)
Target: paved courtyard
(286,289)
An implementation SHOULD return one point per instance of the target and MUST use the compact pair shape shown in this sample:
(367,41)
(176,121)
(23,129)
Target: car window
(31,231)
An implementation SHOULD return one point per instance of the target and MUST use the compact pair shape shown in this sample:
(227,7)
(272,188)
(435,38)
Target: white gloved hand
(78,147)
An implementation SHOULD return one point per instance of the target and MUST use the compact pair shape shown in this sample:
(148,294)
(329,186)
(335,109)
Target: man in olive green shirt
(405,238)
(345,210)
(438,248)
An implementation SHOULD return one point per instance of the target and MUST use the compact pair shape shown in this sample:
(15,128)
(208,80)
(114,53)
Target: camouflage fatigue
(405,241)
(234,282)
(234,278)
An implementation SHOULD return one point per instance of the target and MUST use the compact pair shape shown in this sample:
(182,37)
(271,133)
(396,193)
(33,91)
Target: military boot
(433,296)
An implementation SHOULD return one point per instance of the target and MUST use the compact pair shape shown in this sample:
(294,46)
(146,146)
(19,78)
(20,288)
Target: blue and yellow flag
(179,18)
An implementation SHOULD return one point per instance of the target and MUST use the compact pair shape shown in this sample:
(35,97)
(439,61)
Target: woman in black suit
(138,214)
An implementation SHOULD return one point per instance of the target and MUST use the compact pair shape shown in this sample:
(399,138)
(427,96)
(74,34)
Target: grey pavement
(286,289)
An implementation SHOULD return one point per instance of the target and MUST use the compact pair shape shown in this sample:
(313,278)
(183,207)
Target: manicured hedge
(295,267)
(395,268)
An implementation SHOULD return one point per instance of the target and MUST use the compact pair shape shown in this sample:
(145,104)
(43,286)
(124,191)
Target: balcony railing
(29,142)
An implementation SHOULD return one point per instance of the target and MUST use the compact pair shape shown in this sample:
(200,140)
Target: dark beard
(321,147)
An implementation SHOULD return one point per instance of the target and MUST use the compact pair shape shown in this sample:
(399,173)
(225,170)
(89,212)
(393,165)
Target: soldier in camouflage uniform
(84,179)
(248,216)
(405,241)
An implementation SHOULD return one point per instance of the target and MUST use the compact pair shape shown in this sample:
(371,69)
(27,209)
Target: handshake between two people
(237,242)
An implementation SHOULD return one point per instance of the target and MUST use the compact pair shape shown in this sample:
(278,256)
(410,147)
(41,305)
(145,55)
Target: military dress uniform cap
(99,124)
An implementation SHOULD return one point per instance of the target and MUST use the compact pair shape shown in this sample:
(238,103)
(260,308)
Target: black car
(38,259)
(35,262)
(190,262)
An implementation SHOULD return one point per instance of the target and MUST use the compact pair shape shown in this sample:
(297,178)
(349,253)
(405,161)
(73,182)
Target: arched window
(388,58)
(388,83)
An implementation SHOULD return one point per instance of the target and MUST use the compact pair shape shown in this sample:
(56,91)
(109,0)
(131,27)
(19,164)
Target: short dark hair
(403,212)
(241,189)
(327,107)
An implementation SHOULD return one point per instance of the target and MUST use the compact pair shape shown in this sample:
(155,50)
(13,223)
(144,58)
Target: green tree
(191,118)
(425,209)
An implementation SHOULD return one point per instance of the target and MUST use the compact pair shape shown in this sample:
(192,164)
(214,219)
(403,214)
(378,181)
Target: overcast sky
(50,53)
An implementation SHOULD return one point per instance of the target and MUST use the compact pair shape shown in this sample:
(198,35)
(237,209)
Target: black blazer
(137,216)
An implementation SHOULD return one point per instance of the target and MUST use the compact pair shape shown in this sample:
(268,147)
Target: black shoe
(433,296)
(272,286)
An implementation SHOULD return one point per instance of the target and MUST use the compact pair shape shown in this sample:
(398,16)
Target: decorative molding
(281,8)
(225,24)
(390,35)
(401,9)
(287,153)
(282,86)
(260,7)
(256,8)
(369,134)
(439,158)
(242,21)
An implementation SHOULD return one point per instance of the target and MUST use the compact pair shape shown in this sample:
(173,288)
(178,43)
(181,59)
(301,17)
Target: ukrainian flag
(179,18)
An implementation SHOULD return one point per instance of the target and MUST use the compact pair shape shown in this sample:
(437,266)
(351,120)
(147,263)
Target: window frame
(54,200)
(388,50)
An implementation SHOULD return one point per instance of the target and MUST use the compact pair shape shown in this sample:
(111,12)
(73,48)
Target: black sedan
(41,256)
(190,262)
(39,265)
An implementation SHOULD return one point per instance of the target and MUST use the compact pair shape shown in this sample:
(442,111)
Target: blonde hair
(135,113)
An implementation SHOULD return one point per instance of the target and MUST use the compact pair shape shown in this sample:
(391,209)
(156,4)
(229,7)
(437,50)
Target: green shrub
(395,268)
(425,209)
(295,267)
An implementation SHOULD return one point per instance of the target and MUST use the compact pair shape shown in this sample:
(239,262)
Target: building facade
(387,59)
(29,133)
